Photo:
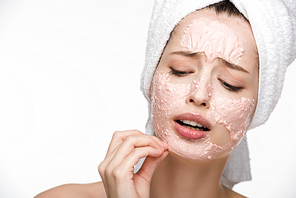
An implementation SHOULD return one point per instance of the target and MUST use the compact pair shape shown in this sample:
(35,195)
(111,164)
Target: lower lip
(189,133)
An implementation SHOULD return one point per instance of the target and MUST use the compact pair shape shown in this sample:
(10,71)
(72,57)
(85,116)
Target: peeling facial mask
(214,39)
(228,117)
(168,99)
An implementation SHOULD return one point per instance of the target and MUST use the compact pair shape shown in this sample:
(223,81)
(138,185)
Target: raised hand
(117,169)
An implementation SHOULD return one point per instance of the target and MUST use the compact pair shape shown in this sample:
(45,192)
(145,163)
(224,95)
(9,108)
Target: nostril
(200,103)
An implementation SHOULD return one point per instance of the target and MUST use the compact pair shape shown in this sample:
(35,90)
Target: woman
(205,92)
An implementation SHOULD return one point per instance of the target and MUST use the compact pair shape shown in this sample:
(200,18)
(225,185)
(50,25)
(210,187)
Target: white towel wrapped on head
(273,24)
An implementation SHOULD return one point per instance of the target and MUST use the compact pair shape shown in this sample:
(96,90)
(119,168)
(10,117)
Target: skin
(169,99)
(166,174)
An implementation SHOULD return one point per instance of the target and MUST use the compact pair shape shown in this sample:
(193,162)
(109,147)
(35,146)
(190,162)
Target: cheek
(235,115)
(220,135)
(167,97)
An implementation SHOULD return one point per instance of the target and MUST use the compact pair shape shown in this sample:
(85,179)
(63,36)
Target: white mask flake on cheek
(214,39)
(168,98)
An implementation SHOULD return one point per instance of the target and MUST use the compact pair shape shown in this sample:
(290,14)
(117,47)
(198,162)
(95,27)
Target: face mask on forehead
(214,39)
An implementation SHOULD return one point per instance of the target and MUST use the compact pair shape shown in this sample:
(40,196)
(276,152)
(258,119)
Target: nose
(200,94)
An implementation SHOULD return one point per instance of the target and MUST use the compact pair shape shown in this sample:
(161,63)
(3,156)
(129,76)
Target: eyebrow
(186,53)
(232,66)
(191,54)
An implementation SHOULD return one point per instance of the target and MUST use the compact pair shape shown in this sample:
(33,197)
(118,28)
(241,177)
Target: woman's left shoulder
(91,190)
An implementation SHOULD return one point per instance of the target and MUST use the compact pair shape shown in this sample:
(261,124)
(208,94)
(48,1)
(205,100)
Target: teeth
(186,121)
(192,123)
(196,129)
(192,128)
(199,125)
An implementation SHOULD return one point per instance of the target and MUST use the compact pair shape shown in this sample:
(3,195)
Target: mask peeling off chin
(228,117)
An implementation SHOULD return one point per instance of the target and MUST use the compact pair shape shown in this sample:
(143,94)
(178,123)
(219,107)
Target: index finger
(118,138)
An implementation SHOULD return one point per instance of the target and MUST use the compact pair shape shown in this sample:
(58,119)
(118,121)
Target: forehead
(235,23)
(238,25)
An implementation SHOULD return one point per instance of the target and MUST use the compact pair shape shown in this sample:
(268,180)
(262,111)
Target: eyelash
(230,87)
(179,73)
(224,84)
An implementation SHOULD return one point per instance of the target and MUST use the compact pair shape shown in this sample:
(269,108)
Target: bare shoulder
(232,194)
(92,190)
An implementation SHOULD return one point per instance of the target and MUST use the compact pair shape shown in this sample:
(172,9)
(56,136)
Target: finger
(149,166)
(125,170)
(103,165)
(118,138)
(161,143)
(129,144)
(124,149)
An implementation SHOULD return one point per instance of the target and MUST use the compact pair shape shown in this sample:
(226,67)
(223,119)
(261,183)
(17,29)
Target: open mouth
(192,125)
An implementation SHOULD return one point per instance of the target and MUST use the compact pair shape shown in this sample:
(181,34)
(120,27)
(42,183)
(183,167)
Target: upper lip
(194,117)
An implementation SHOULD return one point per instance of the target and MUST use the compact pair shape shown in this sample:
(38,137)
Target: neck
(177,177)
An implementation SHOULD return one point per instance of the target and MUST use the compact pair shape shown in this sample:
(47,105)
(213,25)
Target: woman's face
(204,90)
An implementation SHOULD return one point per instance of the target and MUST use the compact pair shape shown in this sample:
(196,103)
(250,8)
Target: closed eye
(179,73)
(230,87)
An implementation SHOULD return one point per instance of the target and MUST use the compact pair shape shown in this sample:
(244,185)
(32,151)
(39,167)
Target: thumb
(149,166)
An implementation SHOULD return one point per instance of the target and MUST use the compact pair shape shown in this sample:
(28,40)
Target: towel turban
(273,24)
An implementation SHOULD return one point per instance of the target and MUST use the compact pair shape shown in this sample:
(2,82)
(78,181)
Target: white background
(70,77)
